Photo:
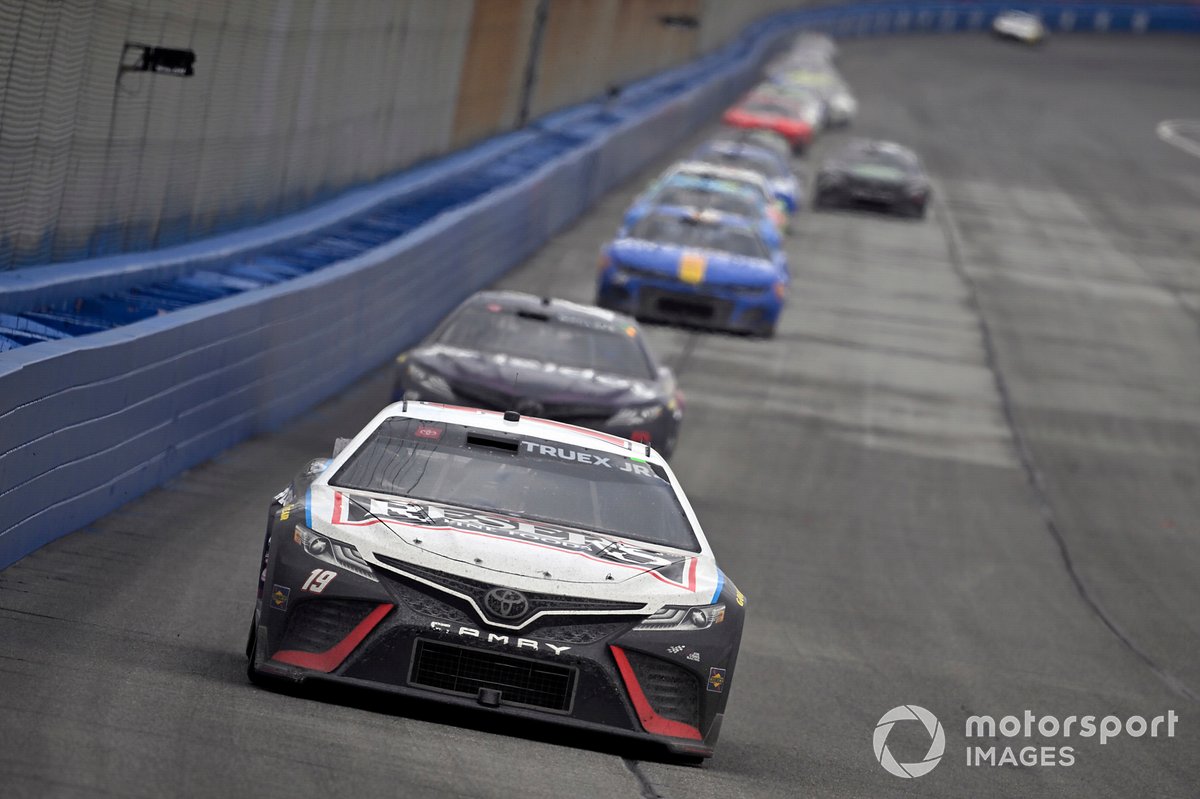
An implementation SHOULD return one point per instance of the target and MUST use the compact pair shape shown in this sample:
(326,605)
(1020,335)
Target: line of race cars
(508,534)
(703,244)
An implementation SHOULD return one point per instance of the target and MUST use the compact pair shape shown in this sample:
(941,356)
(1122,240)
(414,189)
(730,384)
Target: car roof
(721,171)
(494,421)
(710,184)
(710,216)
(556,309)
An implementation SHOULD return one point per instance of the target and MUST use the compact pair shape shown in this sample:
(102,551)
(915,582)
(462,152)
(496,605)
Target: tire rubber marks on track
(1025,453)
(648,789)
(1181,133)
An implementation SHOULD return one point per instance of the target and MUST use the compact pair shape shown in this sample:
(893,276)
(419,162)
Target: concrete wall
(291,101)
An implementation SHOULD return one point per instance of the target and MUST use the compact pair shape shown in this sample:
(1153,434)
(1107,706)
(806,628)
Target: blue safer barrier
(118,373)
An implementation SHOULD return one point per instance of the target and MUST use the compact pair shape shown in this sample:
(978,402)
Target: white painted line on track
(1182,133)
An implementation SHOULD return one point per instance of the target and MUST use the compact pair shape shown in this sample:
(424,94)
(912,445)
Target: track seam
(1025,453)
(648,789)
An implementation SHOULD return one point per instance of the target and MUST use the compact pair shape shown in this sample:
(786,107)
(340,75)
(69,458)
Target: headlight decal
(683,619)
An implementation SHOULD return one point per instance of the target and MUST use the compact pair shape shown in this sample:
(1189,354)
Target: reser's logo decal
(493,638)
(364,511)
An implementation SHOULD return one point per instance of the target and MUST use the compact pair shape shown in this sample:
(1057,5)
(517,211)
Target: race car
(822,80)
(745,178)
(703,269)
(503,350)
(700,192)
(776,170)
(513,565)
(794,122)
(1019,26)
(873,173)
(756,136)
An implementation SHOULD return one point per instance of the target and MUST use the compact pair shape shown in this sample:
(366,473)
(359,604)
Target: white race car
(1019,25)
(512,564)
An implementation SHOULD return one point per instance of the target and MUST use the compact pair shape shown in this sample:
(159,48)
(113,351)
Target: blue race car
(695,191)
(762,160)
(703,268)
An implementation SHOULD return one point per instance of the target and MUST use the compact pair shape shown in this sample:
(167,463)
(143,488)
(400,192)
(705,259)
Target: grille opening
(681,307)
(317,625)
(520,681)
(673,692)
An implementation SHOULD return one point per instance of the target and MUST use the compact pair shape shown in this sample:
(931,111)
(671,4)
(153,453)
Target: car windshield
(541,337)
(695,197)
(882,162)
(526,477)
(763,162)
(766,109)
(686,231)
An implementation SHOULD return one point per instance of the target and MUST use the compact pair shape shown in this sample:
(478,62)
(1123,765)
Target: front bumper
(713,307)
(406,637)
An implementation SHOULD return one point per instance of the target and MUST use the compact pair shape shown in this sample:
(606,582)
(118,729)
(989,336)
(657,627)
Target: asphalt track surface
(965,475)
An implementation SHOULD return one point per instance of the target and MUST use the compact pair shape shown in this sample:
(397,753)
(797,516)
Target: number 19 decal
(318,580)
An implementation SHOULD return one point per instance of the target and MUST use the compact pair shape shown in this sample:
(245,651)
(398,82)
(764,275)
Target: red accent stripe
(331,658)
(651,721)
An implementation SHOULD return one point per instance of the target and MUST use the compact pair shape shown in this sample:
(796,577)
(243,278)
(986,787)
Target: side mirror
(339,444)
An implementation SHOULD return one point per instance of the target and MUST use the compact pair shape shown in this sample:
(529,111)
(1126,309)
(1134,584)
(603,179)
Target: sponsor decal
(279,596)
(428,432)
(694,657)
(364,511)
(692,266)
(288,510)
(741,599)
(493,638)
(716,680)
(675,650)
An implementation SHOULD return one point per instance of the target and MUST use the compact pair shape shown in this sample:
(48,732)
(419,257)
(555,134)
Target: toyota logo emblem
(506,603)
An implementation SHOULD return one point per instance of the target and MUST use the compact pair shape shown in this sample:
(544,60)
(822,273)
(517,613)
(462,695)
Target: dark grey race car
(875,174)
(559,360)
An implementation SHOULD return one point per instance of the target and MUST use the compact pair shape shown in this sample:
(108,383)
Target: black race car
(876,174)
(519,566)
(550,358)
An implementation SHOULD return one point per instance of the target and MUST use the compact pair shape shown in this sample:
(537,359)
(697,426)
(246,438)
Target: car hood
(527,378)
(391,531)
(718,267)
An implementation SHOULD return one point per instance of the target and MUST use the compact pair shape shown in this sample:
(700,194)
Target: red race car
(775,115)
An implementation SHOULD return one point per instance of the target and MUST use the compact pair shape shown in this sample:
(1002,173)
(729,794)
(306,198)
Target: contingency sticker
(692,266)
(716,679)
(279,596)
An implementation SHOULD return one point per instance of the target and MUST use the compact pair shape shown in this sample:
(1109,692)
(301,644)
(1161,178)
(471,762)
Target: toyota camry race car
(701,268)
(521,566)
(872,173)
(502,350)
